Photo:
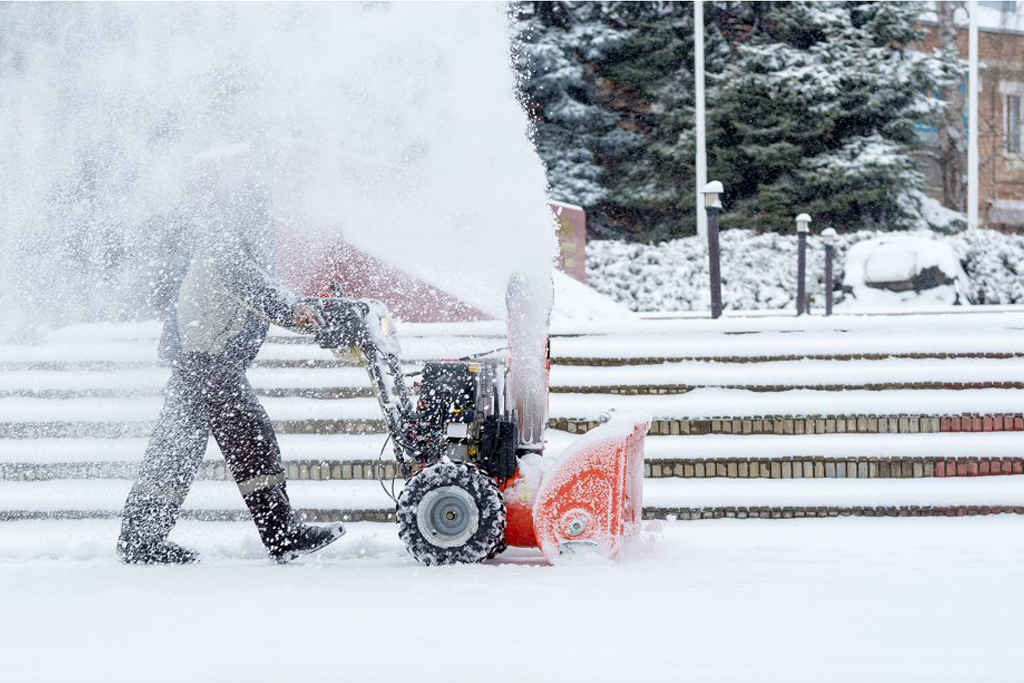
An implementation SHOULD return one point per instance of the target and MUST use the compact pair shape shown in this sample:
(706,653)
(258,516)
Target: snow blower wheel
(451,513)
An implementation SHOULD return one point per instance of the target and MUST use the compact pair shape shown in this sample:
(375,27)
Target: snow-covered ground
(855,600)
(841,599)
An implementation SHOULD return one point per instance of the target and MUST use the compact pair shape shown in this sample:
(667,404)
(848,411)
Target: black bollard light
(803,225)
(713,205)
(828,236)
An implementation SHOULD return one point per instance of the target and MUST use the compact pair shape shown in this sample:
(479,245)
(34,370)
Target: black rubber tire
(489,537)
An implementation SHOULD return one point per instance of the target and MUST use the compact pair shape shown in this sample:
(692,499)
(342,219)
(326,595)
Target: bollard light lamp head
(712,195)
(803,223)
(828,236)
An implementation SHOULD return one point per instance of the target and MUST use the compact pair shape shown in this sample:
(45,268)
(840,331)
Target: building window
(1004,6)
(1013,141)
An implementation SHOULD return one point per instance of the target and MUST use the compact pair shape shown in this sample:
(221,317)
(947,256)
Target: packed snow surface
(847,600)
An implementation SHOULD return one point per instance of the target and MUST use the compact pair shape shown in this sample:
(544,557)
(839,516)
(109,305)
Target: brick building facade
(1000,111)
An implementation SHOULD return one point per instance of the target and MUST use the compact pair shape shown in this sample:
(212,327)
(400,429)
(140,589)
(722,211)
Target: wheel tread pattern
(489,539)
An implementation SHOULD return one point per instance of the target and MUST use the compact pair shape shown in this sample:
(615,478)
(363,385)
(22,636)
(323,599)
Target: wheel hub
(447,516)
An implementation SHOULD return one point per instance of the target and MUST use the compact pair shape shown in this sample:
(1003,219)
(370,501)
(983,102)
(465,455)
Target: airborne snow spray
(396,126)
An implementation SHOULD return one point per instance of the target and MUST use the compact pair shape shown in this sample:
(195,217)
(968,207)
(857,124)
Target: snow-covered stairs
(745,403)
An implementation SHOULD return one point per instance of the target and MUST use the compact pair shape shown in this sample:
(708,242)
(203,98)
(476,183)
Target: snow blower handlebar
(363,327)
(462,410)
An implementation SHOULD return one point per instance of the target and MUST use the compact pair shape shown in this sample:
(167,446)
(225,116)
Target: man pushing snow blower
(470,444)
(217,314)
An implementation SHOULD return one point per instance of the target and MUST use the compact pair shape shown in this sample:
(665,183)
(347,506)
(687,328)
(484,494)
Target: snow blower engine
(473,483)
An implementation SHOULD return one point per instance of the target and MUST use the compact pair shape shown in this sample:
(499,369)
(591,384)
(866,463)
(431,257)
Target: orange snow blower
(469,445)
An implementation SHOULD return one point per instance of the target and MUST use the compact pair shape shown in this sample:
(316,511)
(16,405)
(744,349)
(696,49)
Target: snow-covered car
(903,269)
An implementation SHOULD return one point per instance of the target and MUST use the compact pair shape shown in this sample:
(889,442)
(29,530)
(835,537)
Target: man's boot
(144,528)
(285,537)
(159,552)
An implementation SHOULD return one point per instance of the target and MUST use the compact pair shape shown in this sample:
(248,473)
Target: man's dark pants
(208,394)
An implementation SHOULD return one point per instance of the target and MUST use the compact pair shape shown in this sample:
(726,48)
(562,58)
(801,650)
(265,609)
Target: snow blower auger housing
(457,444)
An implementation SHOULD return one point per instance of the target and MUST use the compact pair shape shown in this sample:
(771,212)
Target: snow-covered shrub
(994,264)
(759,270)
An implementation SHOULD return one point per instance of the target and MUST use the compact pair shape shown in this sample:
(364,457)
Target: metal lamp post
(828,236)
(713,205)
(803,225)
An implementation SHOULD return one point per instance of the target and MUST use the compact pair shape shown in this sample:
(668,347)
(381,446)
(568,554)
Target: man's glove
(306,318)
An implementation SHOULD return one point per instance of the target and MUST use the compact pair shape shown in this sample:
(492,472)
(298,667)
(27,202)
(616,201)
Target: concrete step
(112,363)
(640,342)
(90,457)
(109,495)
(118,354)
(774,376)
(819,424)
(142,428)
(651,512)
(327,393)
(670,378)
(323,501)
(341,447)
(923,337)
(825,511)
(942,492)
(614,361)
(769,424)
(210,470)
(348,447)
(668,389)
(209,515)
(895,467)
(703,404)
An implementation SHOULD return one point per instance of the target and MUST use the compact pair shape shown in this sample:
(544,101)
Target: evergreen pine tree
(575,134)
(816,113)
(653,189)
(812,107)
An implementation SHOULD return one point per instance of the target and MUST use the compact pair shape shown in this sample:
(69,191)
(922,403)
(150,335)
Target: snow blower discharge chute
(475,477)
